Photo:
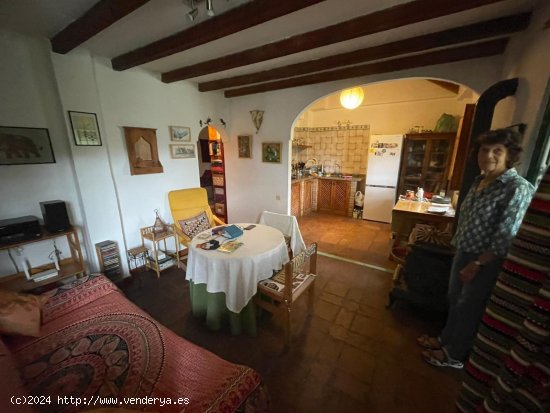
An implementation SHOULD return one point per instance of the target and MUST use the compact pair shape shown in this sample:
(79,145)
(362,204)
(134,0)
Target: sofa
(95,345)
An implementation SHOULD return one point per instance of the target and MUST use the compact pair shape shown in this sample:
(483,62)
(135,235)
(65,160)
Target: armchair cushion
(193,225)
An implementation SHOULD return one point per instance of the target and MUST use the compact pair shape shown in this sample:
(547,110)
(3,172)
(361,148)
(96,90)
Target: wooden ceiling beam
(233,21)
(472,32)
(472,51)
(448,86)
(386,19)
(103,14)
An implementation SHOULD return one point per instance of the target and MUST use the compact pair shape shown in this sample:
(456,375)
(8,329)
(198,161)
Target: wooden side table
(156,239)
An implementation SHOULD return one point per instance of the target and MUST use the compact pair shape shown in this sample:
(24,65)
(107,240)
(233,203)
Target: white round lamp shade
(352,98)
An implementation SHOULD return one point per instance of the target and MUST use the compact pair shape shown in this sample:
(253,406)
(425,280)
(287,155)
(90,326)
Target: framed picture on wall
(180,134)
(182,151)
(245,146)
(20,146)
(271,152)
(85,128)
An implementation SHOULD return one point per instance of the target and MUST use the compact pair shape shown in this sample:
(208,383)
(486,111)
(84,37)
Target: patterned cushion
(277,282)
(20,313)
(195,225)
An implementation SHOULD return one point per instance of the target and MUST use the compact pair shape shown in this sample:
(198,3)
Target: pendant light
(352,98)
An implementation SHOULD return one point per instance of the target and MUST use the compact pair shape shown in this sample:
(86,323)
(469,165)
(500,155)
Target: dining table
(222,284)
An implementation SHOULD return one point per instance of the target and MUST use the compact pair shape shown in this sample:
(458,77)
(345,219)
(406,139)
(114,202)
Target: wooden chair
(278,293)
(186,203)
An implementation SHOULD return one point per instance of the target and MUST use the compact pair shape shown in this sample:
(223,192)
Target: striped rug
(509,366)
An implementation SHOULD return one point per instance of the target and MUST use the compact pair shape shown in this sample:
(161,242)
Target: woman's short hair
(505,136)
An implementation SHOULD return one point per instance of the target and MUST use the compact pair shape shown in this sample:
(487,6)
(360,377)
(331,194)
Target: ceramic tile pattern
(351,354)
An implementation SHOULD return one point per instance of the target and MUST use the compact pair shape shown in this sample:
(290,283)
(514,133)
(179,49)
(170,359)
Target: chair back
(288,225)
(186,203)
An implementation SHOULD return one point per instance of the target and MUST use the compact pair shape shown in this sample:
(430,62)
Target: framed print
(271,152)
(245,146)
(180,134)
(85,129)
(182,150)
(20,146)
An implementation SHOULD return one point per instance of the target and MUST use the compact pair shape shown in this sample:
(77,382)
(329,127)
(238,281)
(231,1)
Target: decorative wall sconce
(207,122)
(257,118)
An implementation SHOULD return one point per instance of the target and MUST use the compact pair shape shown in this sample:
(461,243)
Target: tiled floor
(350,355)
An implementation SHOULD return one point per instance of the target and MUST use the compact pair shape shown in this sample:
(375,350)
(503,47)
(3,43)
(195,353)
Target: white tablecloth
(237,274)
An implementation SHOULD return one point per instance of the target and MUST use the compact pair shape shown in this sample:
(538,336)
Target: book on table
(230,246)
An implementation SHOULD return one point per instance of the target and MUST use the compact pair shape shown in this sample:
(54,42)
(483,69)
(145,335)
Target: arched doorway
(212,170)
(336,141)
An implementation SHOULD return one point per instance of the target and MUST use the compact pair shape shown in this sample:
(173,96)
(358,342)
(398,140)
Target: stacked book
(163,263)
(109,258)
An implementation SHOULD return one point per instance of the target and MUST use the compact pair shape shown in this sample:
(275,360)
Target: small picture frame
(271,152)
(182,150)
(180,134)
(245,146)
(85,128)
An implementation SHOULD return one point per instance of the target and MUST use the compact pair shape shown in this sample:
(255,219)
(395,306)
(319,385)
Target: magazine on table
(230,246)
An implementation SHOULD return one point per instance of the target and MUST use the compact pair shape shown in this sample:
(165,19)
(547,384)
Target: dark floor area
(350,355)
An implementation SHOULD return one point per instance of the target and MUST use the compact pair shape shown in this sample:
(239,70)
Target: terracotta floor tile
(351,354)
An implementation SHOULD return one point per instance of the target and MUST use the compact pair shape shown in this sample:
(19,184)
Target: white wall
(103,198)
(30,99)
(254,186)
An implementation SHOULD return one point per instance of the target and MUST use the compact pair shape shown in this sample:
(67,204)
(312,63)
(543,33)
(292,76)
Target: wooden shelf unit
(109,259)
(148,234)
(217,160)
(68,267)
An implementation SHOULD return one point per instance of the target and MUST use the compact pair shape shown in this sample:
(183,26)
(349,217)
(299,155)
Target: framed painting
(271,152)
(245,146)
(180,134)
(85,128)
(182,151)
(20,146)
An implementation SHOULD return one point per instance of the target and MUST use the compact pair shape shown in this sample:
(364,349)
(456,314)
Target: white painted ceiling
(160,18)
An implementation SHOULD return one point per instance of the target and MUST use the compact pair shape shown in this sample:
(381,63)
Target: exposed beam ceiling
(378,21)
(233,21)
(489,48)
(473,32)
(451,87)
(100,16)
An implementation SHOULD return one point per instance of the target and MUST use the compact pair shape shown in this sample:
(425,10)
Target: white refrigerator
(382,174)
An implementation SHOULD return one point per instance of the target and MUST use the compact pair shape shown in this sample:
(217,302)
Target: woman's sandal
(440,358)
(427,342)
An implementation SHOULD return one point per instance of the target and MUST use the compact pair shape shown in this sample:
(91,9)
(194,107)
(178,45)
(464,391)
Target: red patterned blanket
(97,346)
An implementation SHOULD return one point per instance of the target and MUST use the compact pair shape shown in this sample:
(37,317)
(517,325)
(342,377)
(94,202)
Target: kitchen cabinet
(307,198)
(333,196)
(425,162)
(295,199)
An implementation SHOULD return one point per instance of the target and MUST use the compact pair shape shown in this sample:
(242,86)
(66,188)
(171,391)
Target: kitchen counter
(335,178)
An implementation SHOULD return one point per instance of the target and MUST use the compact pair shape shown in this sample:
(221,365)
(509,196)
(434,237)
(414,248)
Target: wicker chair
(278,293)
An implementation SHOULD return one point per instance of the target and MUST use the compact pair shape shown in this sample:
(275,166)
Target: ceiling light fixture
(352,98)
(209,8)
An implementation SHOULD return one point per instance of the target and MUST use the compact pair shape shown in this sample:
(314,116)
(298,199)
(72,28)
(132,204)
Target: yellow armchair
(186,203)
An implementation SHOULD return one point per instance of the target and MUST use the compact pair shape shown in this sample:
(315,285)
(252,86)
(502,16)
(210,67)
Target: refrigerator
(382,174)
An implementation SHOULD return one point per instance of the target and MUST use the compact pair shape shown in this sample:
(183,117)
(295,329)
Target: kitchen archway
(330,149)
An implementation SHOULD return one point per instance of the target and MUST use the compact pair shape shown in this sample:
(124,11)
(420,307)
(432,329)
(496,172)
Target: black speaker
(55,216)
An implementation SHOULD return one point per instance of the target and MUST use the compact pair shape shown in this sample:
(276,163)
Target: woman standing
(489,218)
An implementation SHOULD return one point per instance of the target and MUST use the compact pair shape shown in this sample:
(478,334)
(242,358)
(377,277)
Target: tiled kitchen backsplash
(346,146)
